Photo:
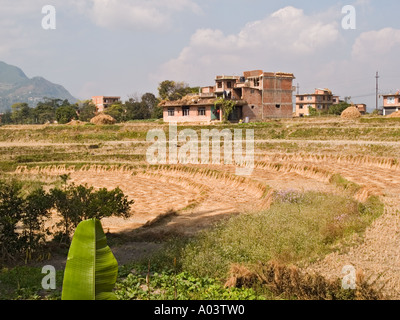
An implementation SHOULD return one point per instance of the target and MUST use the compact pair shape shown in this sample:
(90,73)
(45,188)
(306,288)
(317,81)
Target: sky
(127,47)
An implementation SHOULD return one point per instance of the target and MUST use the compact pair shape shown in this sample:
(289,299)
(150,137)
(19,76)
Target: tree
(44,112)
(172,91)
(87,110)
(151,101)
(37,206)
(65,114)
(157,113)
(117,111)
(227,106)
(337,109)
(78,203)
(11,210)
(20,113)
(137,110)
(6,118)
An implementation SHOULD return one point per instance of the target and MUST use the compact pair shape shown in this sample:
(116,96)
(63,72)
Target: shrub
(78,203)
(25,210)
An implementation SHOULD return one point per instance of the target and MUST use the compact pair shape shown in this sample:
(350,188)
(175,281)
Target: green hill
(15,87)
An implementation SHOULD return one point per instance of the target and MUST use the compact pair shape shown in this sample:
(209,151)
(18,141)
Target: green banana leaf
(91,270)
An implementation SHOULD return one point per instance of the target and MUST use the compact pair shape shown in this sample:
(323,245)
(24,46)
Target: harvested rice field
(304,155)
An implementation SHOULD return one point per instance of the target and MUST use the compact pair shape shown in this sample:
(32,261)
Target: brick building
(362,107)
(391,103)
(102,102)
(320,100)
(258,95)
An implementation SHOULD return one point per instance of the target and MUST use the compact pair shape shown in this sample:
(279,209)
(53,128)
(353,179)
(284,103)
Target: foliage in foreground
(23,214)
(91,270)
(24,283)
(168,285)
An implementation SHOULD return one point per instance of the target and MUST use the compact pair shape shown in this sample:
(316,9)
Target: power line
(377,90)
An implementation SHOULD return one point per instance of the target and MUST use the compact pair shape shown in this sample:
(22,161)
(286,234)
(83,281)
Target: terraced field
(181,200)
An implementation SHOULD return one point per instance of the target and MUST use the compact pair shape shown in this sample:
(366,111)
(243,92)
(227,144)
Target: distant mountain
(15,87)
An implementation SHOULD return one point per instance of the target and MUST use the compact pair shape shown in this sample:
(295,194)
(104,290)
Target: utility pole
(377,90)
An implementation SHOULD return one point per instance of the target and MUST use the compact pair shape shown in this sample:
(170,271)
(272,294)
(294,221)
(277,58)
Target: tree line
(62,111)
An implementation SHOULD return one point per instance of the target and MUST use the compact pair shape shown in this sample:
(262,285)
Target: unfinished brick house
(102,102)
(320,100)
(258,95)
(391,103)
(362,107)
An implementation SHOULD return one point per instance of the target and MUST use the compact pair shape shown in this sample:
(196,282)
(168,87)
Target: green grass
(25,283)
(341,182)
(296,229)
(380,120)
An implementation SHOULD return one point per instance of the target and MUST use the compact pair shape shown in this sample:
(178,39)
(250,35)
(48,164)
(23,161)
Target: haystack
(351,113)
(103,119)
(394,115)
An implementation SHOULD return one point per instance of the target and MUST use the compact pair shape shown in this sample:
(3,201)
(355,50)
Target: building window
(229,84)
(171,112)
(301,106)
(319,107)
(301,98)
(309,98)
(201,111)
(186,111)
(278,106)
(257,82)
(391,100)
(219,84)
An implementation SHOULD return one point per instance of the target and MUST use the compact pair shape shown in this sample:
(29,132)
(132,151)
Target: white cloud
(286,35)
(377,45)
(134,14)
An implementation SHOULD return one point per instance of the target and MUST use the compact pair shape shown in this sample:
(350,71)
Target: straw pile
(103,119)
(394,115)
(351,113)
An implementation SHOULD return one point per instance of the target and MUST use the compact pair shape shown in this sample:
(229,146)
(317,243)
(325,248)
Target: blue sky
(126,47)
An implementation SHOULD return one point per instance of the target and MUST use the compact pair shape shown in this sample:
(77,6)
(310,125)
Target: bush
(78,203)
(25,208)
(26,211)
